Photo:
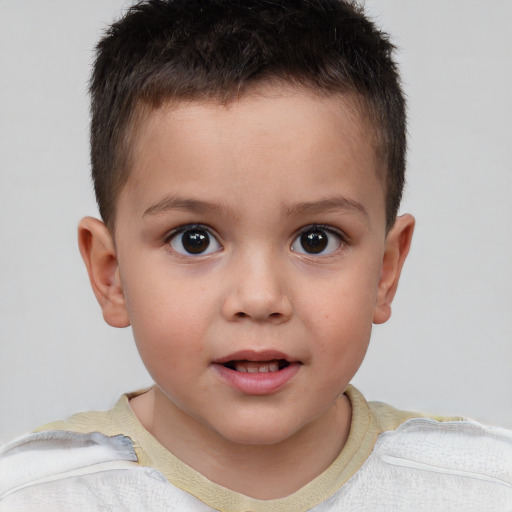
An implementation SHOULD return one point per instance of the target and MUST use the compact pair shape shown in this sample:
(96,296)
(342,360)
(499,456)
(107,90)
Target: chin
(258,433)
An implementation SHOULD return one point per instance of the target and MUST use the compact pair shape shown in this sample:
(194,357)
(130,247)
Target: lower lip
(258,383)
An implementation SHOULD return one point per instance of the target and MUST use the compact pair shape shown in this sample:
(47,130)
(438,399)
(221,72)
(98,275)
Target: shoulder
(443,465)
(390,418)
(464,446)
(431,463)
(90,462)
(110,422)
(383,417)
(63,470)
(454,442)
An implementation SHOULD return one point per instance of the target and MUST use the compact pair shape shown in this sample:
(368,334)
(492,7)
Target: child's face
(250,242)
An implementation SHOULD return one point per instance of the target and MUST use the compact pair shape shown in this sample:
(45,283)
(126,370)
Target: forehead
(266,136)
(268,97)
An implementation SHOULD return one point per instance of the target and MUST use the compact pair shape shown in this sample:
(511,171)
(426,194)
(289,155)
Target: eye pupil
(195,241)
(314,241)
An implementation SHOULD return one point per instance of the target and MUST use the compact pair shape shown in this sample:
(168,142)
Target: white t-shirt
(393,461)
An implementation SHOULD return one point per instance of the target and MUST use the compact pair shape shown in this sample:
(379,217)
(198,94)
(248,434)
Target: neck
(260,471)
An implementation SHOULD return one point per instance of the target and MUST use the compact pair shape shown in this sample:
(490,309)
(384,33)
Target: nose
(257,290)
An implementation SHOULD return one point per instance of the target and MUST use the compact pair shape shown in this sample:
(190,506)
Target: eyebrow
(324,206)
(178,203)
(170,203)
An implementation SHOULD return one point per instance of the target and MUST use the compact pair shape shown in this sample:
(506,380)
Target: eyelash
(174,235)
(341,237)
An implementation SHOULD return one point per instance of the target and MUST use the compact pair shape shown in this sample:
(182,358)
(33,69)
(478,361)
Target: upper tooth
(274,366)
(240,368)
(256,367)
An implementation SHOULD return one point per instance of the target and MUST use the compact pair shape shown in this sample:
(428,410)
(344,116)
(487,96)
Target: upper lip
(255,355)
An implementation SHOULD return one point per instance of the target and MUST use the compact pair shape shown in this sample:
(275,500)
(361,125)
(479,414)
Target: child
(248,161)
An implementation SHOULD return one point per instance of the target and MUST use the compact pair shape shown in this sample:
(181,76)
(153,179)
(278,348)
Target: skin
(255,175)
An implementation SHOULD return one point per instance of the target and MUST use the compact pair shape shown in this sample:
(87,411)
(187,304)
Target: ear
(99,254)
(398,242)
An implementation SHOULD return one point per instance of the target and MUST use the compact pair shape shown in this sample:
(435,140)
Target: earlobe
(398,243)
(98,252)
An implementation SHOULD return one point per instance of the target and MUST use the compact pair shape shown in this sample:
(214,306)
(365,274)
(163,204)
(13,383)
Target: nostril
(241,314)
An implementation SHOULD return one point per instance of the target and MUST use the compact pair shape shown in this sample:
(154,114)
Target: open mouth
(246,366)
(257,373)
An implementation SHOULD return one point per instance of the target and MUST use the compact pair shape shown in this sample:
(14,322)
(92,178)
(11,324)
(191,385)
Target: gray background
(448,346)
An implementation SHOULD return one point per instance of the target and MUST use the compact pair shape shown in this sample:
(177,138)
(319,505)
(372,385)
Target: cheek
(168,317)
(340,315)
(341,346)
(344,341)
(345,300)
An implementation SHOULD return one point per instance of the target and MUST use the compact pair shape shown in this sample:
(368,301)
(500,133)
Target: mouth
(248,366)
(251,361)
(257,373)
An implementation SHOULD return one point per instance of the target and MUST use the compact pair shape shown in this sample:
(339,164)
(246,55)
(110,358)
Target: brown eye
(196,241)
(314,242)
(317,241)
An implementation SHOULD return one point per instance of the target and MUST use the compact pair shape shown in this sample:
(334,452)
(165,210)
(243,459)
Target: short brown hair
(164,50)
